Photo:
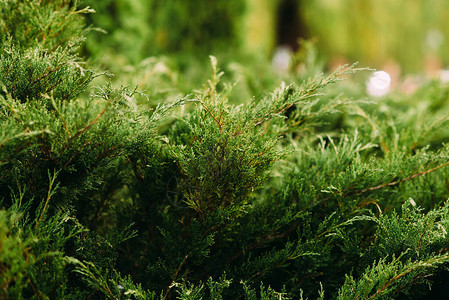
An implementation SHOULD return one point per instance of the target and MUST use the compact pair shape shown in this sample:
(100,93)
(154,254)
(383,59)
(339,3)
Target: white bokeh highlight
(282,59)
(379,84)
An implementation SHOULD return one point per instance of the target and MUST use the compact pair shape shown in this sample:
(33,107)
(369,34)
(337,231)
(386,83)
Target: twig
(210,113)
(93,122)
(55,106)
(403,180)
(49,194)
(33,288)
(174,277)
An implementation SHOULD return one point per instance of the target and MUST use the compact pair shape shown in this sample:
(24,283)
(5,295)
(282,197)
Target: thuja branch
(268,237)
(423,264)
(49,72)
(403,180)
(307,92)
(93,122)
(175,276)
(24,134)
(49,194)
(210,113)
(381,186)
(55,106)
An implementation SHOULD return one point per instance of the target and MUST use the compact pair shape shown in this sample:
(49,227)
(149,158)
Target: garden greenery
(303,192)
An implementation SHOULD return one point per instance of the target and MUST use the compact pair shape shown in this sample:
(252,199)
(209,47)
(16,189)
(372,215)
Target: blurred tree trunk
(271,23)
(289,26)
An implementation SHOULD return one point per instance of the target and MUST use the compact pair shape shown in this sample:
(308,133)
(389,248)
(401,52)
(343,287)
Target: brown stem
(174,277)
(210,113)
(404,179)
(47,74)
(93,122)
(34,289)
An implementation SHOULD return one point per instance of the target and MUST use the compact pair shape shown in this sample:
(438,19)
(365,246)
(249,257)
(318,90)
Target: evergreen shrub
(296,193)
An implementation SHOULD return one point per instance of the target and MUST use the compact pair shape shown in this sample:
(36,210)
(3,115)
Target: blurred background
(402,37)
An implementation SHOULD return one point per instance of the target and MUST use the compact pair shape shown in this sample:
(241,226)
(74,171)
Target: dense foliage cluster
(292,194)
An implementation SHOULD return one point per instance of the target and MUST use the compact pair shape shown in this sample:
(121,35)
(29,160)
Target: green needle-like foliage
(34,73)
(49,24)
(296,193)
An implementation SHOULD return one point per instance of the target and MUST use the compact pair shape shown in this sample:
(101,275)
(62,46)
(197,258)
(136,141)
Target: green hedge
(302,191)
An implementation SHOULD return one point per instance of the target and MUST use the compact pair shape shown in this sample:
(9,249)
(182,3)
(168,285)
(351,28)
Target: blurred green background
(410,33)
(402,36)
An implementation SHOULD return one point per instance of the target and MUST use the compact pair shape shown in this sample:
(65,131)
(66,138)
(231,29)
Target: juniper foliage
(299,194)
